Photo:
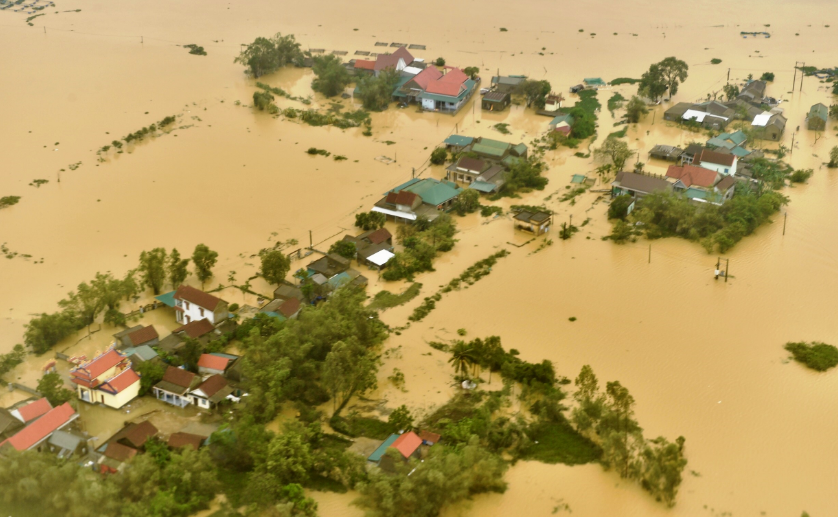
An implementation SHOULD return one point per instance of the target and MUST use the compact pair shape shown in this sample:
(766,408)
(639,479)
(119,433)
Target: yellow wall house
(108,379)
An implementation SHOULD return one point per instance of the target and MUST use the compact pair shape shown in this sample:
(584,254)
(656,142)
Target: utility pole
(142,41)
(728,76)
(310,240)
(802,75)
(791,151)
(785,216)
(413,174)
(718,263)
(727,269)
(794,81)
(650,254)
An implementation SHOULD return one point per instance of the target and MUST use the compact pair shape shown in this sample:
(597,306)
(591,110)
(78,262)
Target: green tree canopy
(349,369)
(204,260)
(636,109)
(674,72)
(152,269)
(370,220)
(346,249)
(275,266)
(52,387)
(652,83)
(266,55)
(376,92)
(616,151)
(331,75)
(45,331)
(177,268)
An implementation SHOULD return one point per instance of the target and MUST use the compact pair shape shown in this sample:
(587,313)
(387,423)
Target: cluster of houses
(442,89)
(482,163)
(35,425)
(766,119)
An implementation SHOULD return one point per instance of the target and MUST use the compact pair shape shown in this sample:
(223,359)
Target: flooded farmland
(703,358)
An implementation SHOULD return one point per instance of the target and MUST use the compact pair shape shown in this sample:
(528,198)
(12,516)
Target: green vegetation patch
(624,80)
(615,102)
(386,299)
(815,355)
(503,128)
(355,426)
(560,443)
(196,50)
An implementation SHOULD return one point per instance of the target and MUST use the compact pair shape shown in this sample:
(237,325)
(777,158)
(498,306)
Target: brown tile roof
(119,452)
(178,377)
(428,436)
(186,439)
(289,307)
(641,182)
(471,164)
(195,329)
(212,385)
(137,434)
(691,175)
(426,76)
(716,158)
(405,198)
(198,297)
(143,335)
(383,61)
(213,362)
(380,235)
(726,183)
(364,64)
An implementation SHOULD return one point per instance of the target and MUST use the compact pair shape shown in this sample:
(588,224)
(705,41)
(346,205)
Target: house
(198,329)
(108,379)
(690,153)
(507,84)
(406,445)
(211,364)
(490,180)
(210,392)
(114,458)
(817,118)
(637,185)
(140,354)
(66,444)
(283,309)
(416,198)
(429,438)
(31,411)
(769,126)
(729,141)
(456,143)
(701,184)
(171,343)
(124,445)
(710,115)
(676,112)
(537,223)
(411,89)
(175,386)
(193,304)
(666,152)
(286,292)
(594,83)
(363,66)
(179,440)
(372,237)
(466,169)
(562,123)
(753,92)
(34,435)
(495,101)
(398,60)
(553,101)
(136,336)
(719,162)
(725,188)
(376,256)
(9,425)
(448,93)
(329,265)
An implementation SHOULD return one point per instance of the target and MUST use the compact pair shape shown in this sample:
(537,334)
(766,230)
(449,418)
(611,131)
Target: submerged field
(703,359)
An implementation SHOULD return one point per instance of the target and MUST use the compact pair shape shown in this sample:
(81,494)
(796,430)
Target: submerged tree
(52,387)
(616,151)
(204,260)
(153,269)
(331,75)
(636,109)
(275,266)
(377,92)
(177,268)
(266,55)
(349,369)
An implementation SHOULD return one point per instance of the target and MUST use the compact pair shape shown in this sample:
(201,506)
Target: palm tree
(462,358)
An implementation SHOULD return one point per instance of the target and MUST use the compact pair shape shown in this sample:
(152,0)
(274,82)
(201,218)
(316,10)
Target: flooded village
(264,260)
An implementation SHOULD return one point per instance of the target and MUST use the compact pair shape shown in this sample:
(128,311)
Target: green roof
(519,149)
(695,193)
(820,111)
(458,140)
(719,141)
(145,352)
(737,137)
(495,143)
(740,152)
(562,118)
(434,192)
(167,298)
(510,160)
(402,82)
(379,452)
(339,280)
(596,81)
(482,148)
(482,186)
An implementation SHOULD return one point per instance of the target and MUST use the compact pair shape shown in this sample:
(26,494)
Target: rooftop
(198,297)
(186,440)
(640,182)
(212,385)
(178,377)
(691,175)
(460,141)
(98,366)
(41,428)
(213,362)
(407,443)
(143,335)
(33,410)
(715,158)
(195,329)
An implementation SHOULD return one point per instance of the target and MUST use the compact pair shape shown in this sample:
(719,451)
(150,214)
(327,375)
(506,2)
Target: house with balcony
(175,387)
(193,304)
(108,379)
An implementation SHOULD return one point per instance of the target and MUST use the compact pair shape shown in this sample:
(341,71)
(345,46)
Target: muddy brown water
(703,358)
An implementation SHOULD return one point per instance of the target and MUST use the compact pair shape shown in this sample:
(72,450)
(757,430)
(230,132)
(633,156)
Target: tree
(835,88)
(524,175)
(204,260)
(615,150)
(153,269)
(471,71)
(674,72)
(584,123)
(45,331)
(636,109)
(11,360)
(731,91)
(440,61)
(377,92)
(534,91)
(767,76)
(439,155)
(8,201)
(370,220)
(266,55)
(177,268)
(462,358)
(331,75)
(349,369)
(833,157)
(275,266)
(52,387)
(833,111)
(400,419)
(621,436)
(345,249)
(652,83)
(467,202)
(663,463)
(86,303)
(288,456)
(151,372)
(263,101)
(619,207)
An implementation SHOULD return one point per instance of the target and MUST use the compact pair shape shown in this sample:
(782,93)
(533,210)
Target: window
(727,170)
(187,305)
(187,319)
(202,311)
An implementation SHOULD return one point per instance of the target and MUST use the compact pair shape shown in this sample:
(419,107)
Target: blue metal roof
(339,280)
(375,457)
(483,186)
(458,140)
(167,298)
(739,152)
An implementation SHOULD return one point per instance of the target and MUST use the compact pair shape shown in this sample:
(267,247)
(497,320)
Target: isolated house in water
(107,379)
(507,84)
(769,126)
(817,118)
(536,223)
(404,446)
(425,197)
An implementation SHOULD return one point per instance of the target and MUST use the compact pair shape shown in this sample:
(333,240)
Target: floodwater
(702,358)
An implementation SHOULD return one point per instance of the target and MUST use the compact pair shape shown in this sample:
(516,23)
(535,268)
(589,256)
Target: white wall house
(193,304)
(721,163)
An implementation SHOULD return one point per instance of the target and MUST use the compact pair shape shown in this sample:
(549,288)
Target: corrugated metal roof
(482,186)
(458,140)
(485,149)
(434,192)
(379,452)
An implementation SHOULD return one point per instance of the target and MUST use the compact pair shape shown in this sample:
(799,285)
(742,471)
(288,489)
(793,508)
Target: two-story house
(721,163)
(107,379)
(193,304)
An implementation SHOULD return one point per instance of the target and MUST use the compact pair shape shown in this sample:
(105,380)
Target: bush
(440,61)
(619,207)
(715,61)
(800,176)
(439,155)
(817,356)
(8,201)
(370,220)
(767,76)
(233,307)
(345,249)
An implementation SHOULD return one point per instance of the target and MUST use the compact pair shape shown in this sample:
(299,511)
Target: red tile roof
(186,439)
(195,329)
(692,175)
(122,381)
(289,307)
(119,452)
(213,362)
(379,236)
(212,385)
(364,64)
(97,367)
(198,297)
(426,76)
(716,158)
(41,428)
(33,410)
(178,377)
(143,335)
(407,443)
(444,88)
(454,75)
